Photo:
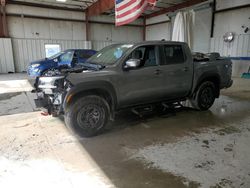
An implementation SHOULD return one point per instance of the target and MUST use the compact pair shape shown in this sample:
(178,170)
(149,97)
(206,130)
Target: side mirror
(56,60)
(132,64)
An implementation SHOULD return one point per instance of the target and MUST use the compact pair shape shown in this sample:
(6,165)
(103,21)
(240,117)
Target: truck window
(84,54)
(146,54)
(173,54)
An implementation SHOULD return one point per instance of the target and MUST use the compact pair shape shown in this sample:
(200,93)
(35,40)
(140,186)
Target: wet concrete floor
(185,148)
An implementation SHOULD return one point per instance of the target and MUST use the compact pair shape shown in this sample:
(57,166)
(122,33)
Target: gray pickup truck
(132,75)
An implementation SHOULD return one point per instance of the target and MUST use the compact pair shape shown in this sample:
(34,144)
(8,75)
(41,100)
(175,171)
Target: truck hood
(90,75)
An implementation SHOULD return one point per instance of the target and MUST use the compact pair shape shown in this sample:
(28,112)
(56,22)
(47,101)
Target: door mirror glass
(132,64)
(56,60)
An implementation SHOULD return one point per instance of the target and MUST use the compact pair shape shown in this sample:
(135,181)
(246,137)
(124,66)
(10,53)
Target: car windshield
(56,55)
(109,55)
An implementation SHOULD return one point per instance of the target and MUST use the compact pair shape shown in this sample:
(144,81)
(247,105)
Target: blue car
(66,59)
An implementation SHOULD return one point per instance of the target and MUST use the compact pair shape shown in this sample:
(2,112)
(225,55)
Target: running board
(142,110)
(147,109)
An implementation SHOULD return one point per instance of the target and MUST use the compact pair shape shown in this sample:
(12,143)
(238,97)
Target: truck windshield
(109,55)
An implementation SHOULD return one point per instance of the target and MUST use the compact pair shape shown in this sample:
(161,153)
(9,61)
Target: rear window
(173,54)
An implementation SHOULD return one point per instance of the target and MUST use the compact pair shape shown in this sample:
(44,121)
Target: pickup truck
(132,75)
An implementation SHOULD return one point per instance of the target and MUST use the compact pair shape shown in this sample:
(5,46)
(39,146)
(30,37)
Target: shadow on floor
(128,133)
(17,102)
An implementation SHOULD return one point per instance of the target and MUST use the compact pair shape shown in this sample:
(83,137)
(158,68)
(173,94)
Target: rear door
(177,70)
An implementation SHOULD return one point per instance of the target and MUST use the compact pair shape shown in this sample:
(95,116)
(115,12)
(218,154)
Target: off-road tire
(87,116)
(204,97)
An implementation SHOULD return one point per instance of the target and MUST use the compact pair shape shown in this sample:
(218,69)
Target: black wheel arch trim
(207,76)
(80,89)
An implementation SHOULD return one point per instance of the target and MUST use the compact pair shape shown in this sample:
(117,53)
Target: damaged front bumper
(50,94)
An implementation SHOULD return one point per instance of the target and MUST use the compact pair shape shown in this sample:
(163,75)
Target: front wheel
(87,116)
(205,96)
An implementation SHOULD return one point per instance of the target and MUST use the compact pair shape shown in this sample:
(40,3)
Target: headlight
(35,65)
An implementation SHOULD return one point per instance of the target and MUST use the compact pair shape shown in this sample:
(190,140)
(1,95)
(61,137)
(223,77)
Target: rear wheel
(87,116)
(205,96)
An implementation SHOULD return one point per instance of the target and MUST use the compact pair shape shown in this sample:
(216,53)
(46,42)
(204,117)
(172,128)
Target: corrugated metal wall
(6,56)
(98,45)
(27,50)
(239,47)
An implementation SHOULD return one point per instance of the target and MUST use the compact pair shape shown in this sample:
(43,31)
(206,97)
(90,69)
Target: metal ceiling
(81,5)
(71,4)
(160,5)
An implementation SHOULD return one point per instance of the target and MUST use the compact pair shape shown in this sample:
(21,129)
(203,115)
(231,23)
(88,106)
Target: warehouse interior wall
(202,30)
(158,28)
(30,28)
(233,21)
(224,21)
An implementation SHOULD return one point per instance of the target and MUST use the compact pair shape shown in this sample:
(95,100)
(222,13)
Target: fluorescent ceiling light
(61,0)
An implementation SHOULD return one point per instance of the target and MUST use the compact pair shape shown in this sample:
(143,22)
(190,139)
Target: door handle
(157,71)
(185,69)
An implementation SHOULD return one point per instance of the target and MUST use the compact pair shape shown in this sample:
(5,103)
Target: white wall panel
(231,21)
(102,35)
(34,28)
(100,32)
(106,18)
(240,67)
(159,31)
(98,45)
(134,34)
(27,50)
(29,35)
(6,56)
(202,30)
(45,29)
(239,47)
(157,19)
(223,4)
(27,10)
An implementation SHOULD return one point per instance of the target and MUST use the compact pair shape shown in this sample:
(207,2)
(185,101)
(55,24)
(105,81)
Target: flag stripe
(126,5)
(131,17)
(130,10)
(122,3)
(127,11)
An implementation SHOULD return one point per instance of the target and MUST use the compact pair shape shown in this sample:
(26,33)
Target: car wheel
(204,97)
(87,116)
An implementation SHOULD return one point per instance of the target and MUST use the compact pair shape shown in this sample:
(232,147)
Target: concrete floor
(185,148)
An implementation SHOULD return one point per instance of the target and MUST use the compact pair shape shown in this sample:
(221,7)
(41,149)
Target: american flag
(127,11)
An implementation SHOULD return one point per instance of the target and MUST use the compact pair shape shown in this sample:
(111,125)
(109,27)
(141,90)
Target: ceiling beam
(3,20)
(175,7)
(39,5)
(100,7)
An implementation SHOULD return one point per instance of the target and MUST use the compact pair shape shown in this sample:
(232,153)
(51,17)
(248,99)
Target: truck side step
(172,105)
(163,108)
(142,110)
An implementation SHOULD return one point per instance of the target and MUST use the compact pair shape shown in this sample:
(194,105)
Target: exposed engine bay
(51,90)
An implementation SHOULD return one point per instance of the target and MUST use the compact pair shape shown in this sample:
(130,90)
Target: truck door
(177,70)
(142,84)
